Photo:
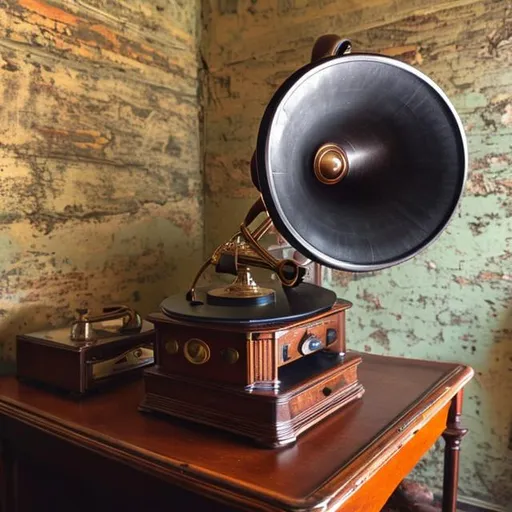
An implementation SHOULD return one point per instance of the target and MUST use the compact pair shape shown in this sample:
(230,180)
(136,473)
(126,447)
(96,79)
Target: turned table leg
(452,436)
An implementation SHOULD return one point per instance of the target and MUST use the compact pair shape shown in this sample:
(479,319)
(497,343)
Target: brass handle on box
(82,328)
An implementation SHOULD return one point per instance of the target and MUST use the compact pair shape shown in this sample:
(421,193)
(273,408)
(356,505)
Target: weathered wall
(100,172)
(453,302)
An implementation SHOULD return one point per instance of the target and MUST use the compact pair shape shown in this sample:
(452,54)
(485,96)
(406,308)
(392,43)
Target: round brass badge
(197,351)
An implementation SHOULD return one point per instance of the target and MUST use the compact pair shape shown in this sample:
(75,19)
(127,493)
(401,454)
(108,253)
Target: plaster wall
(453,302)
(100,169)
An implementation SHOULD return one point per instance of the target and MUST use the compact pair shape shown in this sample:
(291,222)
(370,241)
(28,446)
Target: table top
(401,395)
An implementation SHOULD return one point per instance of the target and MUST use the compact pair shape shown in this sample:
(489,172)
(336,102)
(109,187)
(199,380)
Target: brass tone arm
(243,250)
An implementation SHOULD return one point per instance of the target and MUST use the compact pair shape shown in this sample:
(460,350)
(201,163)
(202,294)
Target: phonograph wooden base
(267,382)
(270,418)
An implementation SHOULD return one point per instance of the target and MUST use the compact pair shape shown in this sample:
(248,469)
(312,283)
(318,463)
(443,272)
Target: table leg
(8,480)
(452,436)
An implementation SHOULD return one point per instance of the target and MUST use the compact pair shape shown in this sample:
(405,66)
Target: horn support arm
(243,250)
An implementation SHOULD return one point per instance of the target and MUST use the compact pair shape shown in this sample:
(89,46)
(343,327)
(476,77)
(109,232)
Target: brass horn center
(331,164)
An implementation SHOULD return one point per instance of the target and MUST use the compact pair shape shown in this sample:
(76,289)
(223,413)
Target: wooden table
(102,454)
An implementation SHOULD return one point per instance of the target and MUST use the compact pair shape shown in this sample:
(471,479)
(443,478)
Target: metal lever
(82,328)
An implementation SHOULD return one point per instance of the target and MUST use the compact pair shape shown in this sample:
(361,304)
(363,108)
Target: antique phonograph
(360,163)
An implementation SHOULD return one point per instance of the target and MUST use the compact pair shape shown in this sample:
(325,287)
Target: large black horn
(361,161)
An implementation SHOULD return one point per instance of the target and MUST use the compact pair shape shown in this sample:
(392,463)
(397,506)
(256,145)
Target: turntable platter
(290,305)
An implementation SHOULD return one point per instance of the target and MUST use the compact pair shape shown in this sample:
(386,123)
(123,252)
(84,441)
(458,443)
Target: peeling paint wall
(453,302)
(100,169)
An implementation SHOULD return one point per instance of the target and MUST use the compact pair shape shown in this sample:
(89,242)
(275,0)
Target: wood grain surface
(403,409)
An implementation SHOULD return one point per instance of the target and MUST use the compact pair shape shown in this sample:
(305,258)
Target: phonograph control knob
(310,344)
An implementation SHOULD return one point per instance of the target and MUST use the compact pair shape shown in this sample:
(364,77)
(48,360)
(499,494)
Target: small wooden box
(52,358)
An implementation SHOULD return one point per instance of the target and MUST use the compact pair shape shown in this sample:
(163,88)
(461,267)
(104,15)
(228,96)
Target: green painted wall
(100,169)
(453,302)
